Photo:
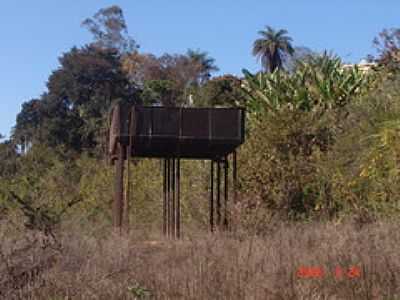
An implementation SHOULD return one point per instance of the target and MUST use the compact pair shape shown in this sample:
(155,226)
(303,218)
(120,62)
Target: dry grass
(220,266)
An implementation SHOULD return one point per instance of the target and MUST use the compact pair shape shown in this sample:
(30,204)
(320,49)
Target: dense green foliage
(318,84)
(322,140)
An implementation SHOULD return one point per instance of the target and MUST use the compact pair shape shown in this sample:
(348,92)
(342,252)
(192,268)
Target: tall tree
(162,92)
(28,123)
(88,80)
(109,30)
(75,109)
(205,64)
(222,90)
(271,48)
(170,76)
(388,45)
(49,120)
(300,55)
(140,68)
(8,159)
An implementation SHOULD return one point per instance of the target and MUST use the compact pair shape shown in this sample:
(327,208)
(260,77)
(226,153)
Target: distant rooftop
(363,65)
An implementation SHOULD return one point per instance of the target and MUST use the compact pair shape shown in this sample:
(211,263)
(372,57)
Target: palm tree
(205,64)
(271,48)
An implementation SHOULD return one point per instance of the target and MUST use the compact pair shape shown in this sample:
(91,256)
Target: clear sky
(35,33)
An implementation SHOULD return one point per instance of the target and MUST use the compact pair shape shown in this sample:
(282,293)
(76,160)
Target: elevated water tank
(184,132)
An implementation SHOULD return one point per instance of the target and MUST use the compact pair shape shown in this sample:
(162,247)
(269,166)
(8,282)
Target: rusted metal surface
(131,125)
(218,193)
(178,199)
(171,198)
(115,130)
(211,207)
(168,197)
(175,133)
(165,197)
(199,133)
(119,187)
(219,182)
(127,190)
(173,186)
(234,173)
(226,183)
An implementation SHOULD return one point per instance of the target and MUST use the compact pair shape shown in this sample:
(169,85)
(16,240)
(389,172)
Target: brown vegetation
(96,264)
(318,181)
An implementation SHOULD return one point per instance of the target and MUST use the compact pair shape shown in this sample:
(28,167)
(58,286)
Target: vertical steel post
(173,200)
(119,187)
(125,206)
(226,212)
(218,193)
(234,173)
(165,197)
(178,200)
(168,196)
(212,197)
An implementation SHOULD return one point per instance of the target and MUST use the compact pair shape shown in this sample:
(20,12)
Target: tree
(140,68)
(89,79)
(80,94)
(8,159)
(223,90)
(271,48)
(388,46)
(161,92)
(110,31)
(204,64)
(171,75)
(87,82)
(49,121)
(299,56)
(28,122)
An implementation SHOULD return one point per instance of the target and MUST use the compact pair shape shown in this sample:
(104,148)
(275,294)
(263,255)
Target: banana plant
(321,82)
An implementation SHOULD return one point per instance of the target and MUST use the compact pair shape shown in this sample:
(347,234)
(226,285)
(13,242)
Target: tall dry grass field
(298,261)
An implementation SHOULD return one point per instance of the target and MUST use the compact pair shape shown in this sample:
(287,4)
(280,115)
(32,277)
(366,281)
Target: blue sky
(35,33)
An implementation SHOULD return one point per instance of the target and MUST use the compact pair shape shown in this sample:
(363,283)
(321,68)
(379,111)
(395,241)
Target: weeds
(224,266)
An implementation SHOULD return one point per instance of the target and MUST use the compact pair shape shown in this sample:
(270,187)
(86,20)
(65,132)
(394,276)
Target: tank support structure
(144,132)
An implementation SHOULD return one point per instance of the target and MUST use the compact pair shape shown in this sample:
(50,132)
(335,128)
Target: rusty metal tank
(180,132)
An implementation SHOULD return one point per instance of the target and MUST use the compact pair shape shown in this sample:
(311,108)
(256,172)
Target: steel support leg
(168,197)
(226,179)
(211,207)
(234,173)
(165,197)
(119,188)
(127,193)
(219,193)
(178,198)
(173,200)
